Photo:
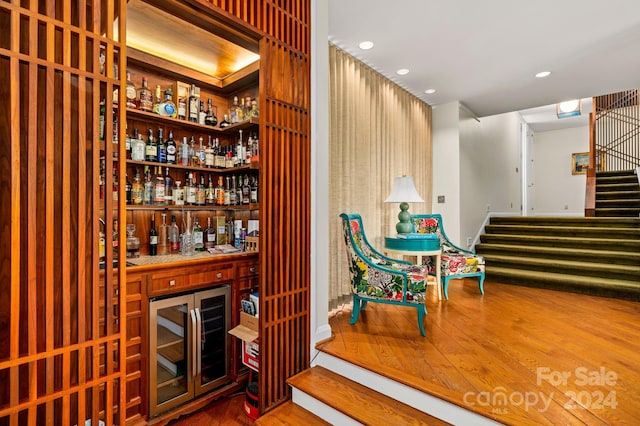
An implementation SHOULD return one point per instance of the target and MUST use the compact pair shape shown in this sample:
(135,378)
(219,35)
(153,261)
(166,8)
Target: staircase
(617,194)
(599,255)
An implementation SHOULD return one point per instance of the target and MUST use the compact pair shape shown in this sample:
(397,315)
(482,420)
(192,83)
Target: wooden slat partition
(285,175)
(60,342)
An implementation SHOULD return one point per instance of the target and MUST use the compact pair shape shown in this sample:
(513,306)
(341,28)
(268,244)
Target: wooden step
(357,401)
(290,414)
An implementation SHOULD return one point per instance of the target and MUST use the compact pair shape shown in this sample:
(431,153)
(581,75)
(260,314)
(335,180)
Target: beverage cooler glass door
(213,316)
(170,341)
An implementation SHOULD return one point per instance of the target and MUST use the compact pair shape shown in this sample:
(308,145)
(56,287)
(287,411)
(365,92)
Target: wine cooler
(189,343)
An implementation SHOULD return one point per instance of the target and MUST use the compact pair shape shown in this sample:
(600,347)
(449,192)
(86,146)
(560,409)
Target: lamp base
(404,226)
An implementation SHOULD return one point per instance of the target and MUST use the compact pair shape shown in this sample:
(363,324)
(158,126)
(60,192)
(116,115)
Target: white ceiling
(486,53)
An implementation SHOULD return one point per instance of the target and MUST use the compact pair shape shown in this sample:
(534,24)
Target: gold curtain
(377,131)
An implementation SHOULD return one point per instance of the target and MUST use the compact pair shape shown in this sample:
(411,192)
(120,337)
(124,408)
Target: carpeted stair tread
(603,268)
(611,256)
(567,221)
(608,243)
(357,401)
(582,231)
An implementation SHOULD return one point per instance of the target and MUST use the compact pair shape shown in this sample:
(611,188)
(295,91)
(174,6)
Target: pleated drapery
(378,131)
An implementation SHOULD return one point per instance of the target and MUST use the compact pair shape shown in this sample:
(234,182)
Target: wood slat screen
(60,338)
(285,173)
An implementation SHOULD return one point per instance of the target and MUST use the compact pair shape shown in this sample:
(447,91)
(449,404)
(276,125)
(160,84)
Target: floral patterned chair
(378,278)
(455,261)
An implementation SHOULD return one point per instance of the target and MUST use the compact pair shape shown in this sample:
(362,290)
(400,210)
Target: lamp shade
(404,192)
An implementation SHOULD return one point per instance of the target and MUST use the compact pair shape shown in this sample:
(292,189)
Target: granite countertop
(179,258)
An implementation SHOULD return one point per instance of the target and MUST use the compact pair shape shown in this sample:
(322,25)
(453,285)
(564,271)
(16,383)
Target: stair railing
(614,138)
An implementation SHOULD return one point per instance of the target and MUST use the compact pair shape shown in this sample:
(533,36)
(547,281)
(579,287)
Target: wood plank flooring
(518,355)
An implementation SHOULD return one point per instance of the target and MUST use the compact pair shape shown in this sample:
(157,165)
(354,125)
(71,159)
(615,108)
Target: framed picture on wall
(580,162)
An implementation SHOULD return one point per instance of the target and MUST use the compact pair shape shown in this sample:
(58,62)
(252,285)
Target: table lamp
(403,192)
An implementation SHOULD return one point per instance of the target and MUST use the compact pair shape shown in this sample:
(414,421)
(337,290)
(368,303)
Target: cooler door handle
(194,344)
(199,339)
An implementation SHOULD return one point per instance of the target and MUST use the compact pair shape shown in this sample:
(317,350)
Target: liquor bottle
(115,239)
(127,146)
(190,190)
(178,194)
(128,190)
(193,153)
(233,199)
(181,102)
(153,237)
(218,157)
(101,121)
(138,147)
(171,149)
(210,119)
(246,191)
(225,122)
(240,151)
(210,193)
(235,113)
(145,96)
(137,190)
(114,186)
(255,113)
(247,108)
(173,236)
(201,197)
(162,148)
(227,193)
(209,235)
(151,150)
(167,108)
(220,192)
(157,99)
(201,153)
(202,114)
(168,187)
(208,154)
(133,242)
(185,159)
(163,238)
(147,195)
(186,247)
(194,103)
(131,92)
(197,235)
(254,190)
(158,187)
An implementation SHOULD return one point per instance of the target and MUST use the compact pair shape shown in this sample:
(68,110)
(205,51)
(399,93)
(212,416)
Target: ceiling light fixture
(402,71)
(569,108)
(543,74)
(366,45)
(430,91)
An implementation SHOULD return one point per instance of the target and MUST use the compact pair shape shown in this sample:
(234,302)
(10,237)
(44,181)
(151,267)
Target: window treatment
(377,131)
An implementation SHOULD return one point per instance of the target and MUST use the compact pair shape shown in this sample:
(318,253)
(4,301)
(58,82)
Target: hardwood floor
(518,355)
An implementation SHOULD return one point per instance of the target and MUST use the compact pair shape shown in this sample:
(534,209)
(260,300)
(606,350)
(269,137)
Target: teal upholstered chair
(378,278)
(455,261)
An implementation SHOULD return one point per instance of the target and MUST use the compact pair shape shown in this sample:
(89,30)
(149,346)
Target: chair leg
(421,313)
(481,283)
(363,304)
(445,287)
(356,310)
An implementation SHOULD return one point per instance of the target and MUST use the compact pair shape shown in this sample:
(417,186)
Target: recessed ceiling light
(402,71)
(366,45)
(430,91)
(543,74)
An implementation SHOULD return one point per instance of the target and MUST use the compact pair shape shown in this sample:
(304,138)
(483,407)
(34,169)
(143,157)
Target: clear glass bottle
(137,189)
(138,147)
(178,194)
(210,119)
(131,92)
(186,246)
(201,194)
(133,242)
(185,159)
(157,100)
(145,96)
(202,114)
(147,196)
(209,235)
(158,187)
(208,154)
(191,192)
(198,235)
(167,108)
(210,193)
(173,236)
(163,236)
(151,149)
(194,105)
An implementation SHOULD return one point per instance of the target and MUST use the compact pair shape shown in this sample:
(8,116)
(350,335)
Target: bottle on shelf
(171,149)
(181,103)
(209,235)
(193,153)
(168,187)
(233,199)
(247,108)
(225,122)
(210,193)
(198,235)
(246,191)
(128,190)
(194,104)
(218,155)
(210,119)
(185,159)
(220,192)
(114,185)
(227,192)
(201,153)
(190,189)
(229,231)
(115,239)
(145,96)
(138,147)
(255,112)
(178,194)
(162,147)
(186,246)
(201,196)
(127,146)
(173,236)
(208,154)
(254,190)
(157,100)
(133,242)
(235,113)
(147,196)
(131,92)
(158,187)
(137,189)
(151,150)
(153,237)
(240,151)
(163,237)
(202,114)
(167,108)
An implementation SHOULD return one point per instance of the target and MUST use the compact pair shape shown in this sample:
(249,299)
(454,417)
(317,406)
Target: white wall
(446,166)
(557,190)
(489,169)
